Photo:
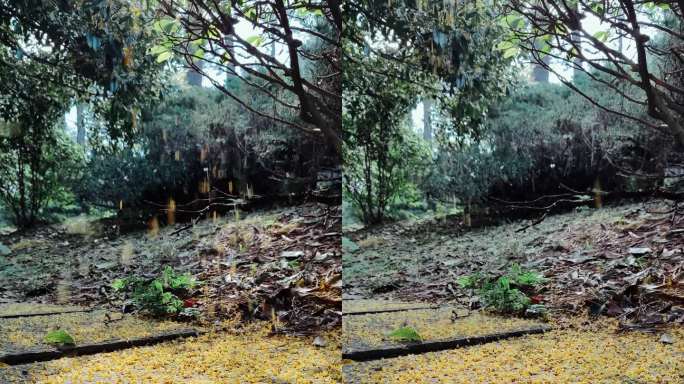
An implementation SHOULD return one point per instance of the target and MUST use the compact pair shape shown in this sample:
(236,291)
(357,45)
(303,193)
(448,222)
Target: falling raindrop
(153,227)
(127,252)
(63,290)
(171,212)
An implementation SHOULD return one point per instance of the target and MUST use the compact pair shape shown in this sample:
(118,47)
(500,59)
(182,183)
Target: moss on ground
(371,330)
(249,357)
(564,356)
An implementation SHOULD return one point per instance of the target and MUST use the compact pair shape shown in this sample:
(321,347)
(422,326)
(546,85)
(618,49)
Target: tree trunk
(194,77)
(80,125)
(467,219)
(427,120)
(575,36)
(539,73)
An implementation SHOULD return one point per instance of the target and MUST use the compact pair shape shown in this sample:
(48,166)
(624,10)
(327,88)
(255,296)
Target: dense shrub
(195,136)
(547,139)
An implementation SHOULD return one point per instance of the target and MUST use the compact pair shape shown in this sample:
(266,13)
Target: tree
(35,158)
(96,49)
(379,149)
(202,31)
(451,45)
(557,29)
(52,54)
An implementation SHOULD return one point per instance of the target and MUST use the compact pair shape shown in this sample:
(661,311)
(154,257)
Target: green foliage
(187,136)
(405,334)
(160,296)
(305,87)
(119,285)
(470,281)
(504,293)
(59,338)
(541,136)
(640,81)
(102,56)
(380,153)
(525,278)
(38,162)
(444,49)
(50,57)
(502,297)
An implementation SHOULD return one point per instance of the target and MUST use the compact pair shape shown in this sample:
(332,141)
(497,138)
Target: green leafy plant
(59,337)
(159,296)
(501,296)
(405,334)
(470,281)
(507,293)
(525,278)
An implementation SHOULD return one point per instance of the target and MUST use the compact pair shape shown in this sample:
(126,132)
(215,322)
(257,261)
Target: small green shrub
(405,334)
(501,296)
(160,296)
(505,293)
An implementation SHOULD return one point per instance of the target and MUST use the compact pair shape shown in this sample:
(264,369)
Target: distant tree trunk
(539,73)
(467,211)
(427,120)
(194,77)
(577,40)
(80,125)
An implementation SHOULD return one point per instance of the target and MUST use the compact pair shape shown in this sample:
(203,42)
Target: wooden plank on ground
(371,311)
(436,345)
(33,314)
(90,349)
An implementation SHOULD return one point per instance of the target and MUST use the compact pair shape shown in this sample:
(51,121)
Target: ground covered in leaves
(623,261)
(22,333)
(282,266)
(252,355)
(279,263)
(372,330)
(581,352)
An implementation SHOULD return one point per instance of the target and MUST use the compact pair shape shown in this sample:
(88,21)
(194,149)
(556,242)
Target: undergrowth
(159,296)
(508,293)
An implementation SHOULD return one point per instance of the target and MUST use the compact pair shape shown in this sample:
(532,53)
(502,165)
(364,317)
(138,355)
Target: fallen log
(32,356)
(434,346)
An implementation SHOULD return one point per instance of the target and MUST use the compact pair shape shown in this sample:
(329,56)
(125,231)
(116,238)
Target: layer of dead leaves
(283,265)
(635,271)
(626,261)
(288,272)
